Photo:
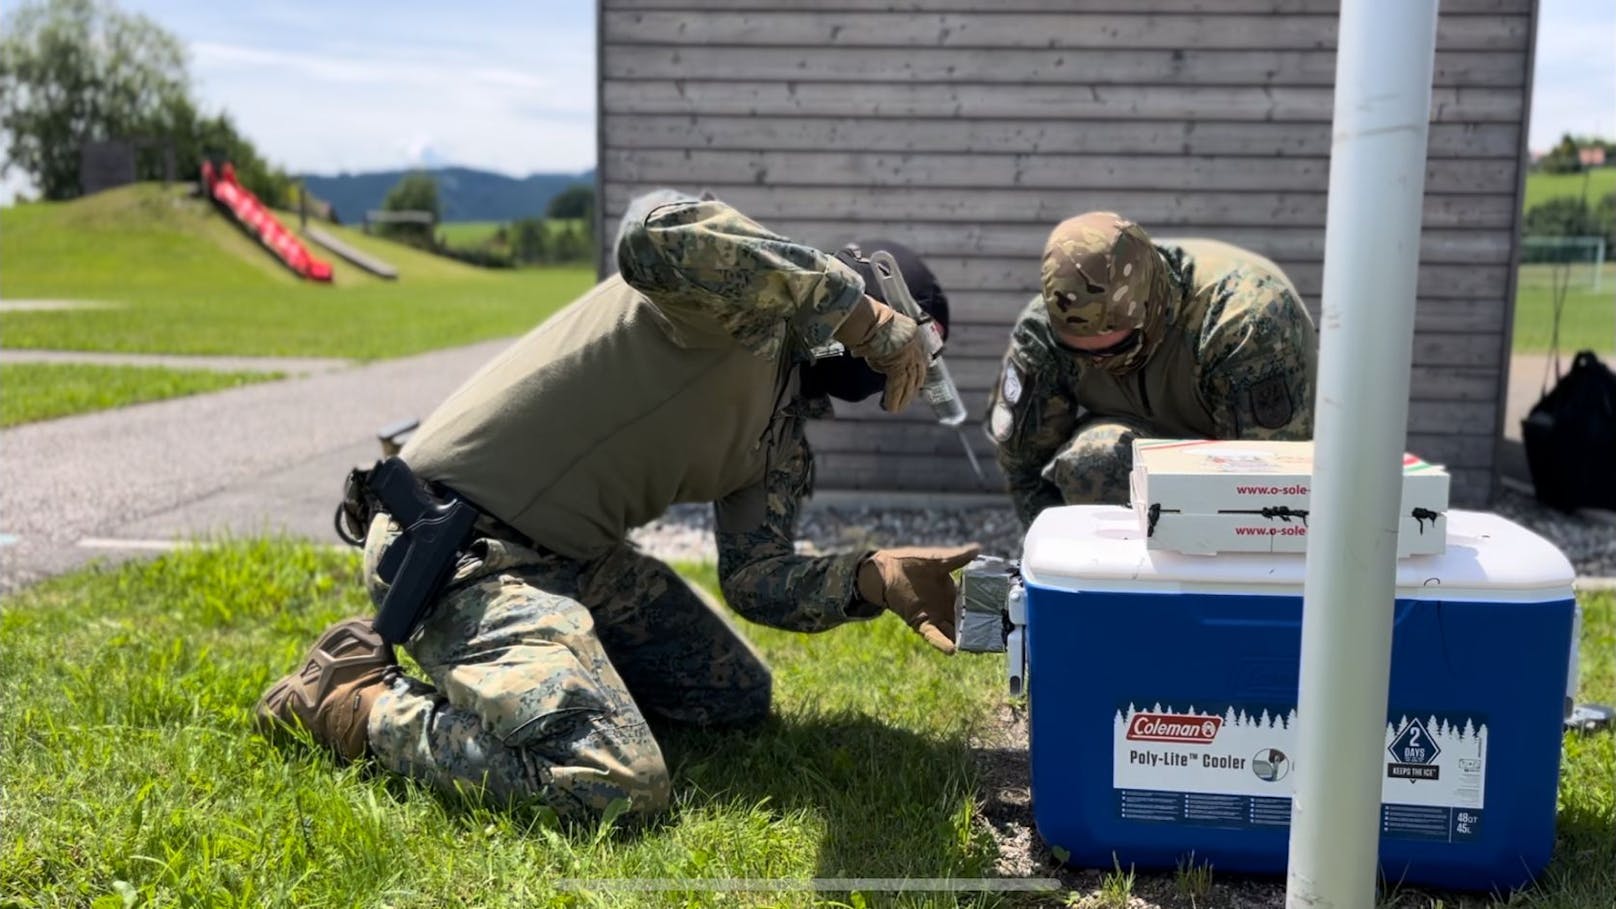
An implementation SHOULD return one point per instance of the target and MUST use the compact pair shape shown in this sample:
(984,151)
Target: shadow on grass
(893,803)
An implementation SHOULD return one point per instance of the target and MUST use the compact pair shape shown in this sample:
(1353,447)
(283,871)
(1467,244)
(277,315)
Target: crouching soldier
(1132,338)
(686,377)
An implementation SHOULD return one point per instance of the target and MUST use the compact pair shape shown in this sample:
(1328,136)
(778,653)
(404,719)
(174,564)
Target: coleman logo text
(1187,730)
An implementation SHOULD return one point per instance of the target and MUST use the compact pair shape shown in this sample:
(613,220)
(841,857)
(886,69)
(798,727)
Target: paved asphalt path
(268,457)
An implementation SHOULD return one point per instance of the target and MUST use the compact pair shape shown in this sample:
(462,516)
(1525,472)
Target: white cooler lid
(1101,547)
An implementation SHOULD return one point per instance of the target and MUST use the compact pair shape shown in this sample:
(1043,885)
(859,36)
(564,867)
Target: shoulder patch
(1010,385)
(1271,404)
(1001,422)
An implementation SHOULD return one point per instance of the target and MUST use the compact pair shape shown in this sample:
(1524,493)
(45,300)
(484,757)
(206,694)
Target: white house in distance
(967,129)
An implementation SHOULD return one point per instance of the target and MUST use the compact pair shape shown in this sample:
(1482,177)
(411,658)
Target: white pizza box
(1203,496)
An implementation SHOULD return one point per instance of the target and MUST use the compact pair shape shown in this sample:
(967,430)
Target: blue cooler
(1162,700)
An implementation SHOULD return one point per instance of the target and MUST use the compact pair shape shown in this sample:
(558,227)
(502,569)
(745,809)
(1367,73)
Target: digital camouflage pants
(541,671)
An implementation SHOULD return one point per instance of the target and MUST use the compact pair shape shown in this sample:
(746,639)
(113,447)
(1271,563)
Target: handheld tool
(939,389)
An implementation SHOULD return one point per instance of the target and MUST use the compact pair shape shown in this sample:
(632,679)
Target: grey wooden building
(968,128)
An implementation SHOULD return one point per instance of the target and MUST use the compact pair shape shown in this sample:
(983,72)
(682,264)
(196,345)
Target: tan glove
(917,583)
(891,343)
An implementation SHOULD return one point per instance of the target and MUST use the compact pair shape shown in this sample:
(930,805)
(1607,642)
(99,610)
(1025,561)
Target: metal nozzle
(970,455)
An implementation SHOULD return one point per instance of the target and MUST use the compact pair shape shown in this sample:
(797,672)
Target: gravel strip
(685,533)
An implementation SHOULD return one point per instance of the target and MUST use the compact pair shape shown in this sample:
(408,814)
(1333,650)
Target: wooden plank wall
(967,129)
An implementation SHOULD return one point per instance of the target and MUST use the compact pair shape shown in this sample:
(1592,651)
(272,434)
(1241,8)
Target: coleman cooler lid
(1101,547)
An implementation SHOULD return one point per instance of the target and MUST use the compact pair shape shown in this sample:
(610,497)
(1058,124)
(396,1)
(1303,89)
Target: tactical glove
(891,343)
(917,583)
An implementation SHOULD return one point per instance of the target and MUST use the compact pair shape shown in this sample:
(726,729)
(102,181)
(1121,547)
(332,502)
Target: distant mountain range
(465,194)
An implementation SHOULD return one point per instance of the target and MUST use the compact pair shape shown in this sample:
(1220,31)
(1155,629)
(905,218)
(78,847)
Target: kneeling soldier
(687,377)
(1130,338)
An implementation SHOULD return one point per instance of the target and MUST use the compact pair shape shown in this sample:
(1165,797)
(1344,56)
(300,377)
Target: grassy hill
(467,234)
(185,279)
(1541,187)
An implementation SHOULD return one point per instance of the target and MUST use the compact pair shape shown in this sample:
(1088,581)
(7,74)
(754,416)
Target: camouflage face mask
(1102,274)
(1120,358)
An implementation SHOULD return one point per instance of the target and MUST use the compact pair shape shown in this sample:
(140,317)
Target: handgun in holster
(420,562)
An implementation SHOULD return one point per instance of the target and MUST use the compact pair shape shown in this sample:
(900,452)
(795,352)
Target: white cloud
(421,151)
(324,112)
(214,57)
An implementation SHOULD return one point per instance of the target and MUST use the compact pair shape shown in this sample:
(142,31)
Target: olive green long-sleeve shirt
(671,382)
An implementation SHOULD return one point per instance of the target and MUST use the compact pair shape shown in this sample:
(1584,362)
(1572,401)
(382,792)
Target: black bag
(1570,438)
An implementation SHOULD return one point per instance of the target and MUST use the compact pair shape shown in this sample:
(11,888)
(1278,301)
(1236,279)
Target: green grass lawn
(1541,187)
(192,283)
(44,391)
(1587,321)
(129,764)
(467,233)
(131,774)
(474,233)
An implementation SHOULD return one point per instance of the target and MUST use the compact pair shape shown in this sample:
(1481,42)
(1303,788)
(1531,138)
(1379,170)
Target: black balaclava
(846,377)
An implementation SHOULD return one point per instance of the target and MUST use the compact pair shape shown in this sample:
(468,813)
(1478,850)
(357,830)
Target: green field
(132,775)
(44,391)
(465,234)
(193,283)
(1541,187)
(130,765)
(1587,320)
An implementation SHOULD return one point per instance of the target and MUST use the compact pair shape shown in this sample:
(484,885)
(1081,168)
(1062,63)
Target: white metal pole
(1371,261)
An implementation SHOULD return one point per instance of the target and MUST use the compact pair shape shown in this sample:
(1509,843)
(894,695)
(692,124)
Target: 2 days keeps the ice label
(1233,765)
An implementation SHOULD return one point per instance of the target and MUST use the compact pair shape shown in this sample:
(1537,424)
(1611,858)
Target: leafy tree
(417,191)
(77,71)
(1562,159)
(1559,217)
(529,244)
(576,201)
(570,245)
(1567,216)
(197,138)
(1604,219)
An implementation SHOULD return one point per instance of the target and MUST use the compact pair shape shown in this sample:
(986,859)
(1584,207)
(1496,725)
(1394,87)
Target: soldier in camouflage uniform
(1132,338)
(686,377)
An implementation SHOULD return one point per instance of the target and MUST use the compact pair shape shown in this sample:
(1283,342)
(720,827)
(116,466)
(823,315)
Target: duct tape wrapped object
(983,603)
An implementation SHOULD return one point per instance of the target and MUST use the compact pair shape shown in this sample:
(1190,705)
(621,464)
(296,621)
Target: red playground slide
(222,186)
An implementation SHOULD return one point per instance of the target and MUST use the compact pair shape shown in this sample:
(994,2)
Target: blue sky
(509,86)
(1574,82)
(367,85)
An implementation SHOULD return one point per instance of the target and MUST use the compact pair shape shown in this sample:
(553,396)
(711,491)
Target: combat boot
(345,671)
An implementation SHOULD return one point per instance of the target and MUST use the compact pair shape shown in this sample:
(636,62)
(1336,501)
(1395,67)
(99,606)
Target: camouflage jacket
(1238,361)
(704,263)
